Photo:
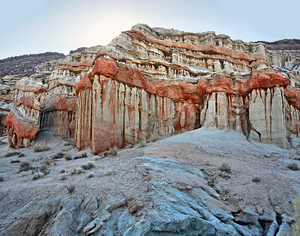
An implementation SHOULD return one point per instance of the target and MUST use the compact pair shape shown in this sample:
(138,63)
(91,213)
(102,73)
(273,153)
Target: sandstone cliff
(154,81)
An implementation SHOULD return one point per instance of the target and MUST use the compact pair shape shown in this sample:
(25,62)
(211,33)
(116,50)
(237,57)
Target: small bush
(70,188)
(225,167)
(41,148)
(37,176)
(47,162)
(296,225)
(10,154)
(207,162)
(14,161)
(24,166)
(62,177)
(154,137)
(79,171)
(72,172)
(44,169)
(143,143)
(113,151)
(256,178)
(293,166)
(1,178)
(88,165)
(90,175)
(62,171)
(21,155)
(68,157)
(58,155)
(81,155)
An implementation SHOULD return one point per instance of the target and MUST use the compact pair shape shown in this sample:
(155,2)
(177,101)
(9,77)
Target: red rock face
(265,81)
(18,130)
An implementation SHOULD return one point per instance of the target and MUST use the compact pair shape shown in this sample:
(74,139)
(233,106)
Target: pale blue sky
(35,26)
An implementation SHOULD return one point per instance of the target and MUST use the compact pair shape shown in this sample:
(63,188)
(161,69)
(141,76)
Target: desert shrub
(88,165)
(10,154)
(68,157)
(62,171)
(1,178)
(21,155)
(47,161)
(44,169)
(113,151)
(207,162)
(81,155)
(154,137)
(62,177)
(293,166)
(72,172)
(79,171)
(24,166)
(90,175)
(296,225)
(37,175)
(14,161)
(256,178)
(58,155)
(41,148)
(143,142)
(225,167)
(70,188)
(67,144)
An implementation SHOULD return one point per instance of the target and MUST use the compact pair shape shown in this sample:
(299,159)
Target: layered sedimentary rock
(154,81)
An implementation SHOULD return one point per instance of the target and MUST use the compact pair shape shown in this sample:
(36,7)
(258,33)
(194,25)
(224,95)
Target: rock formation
(154,81)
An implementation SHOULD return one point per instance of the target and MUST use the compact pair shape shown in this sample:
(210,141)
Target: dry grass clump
(79,171)
(207,162)
(154,137)
(37,175)
(70,188)
(256,178)
(41,148)
(72,172)
(10,154)
(293,166)
(296,225)
(47,162)
(143,143)
(24,166)
(111,152)
(225,167)
(1,178)
(14,161)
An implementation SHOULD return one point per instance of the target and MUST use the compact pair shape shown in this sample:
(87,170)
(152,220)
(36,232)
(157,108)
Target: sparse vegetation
(1,178)
(24,166)
(70,188)
(72,172)
(90,174)
(79,171)
(296,225)
(21,155)
(37,175)
(14,161)
(44,169)
(41,148)
(10,154)
(113,151)
(81,155)
(62,177)
(68,157)
(143,143)
(154,137)
(207,162)
(293,166)
(225,167)
(58,155)
(62,171)
(47,162)
(88,165)
(256,178)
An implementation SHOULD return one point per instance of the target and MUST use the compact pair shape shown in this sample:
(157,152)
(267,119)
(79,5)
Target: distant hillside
(21,66)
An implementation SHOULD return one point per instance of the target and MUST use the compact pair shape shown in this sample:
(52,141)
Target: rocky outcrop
(154,81)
